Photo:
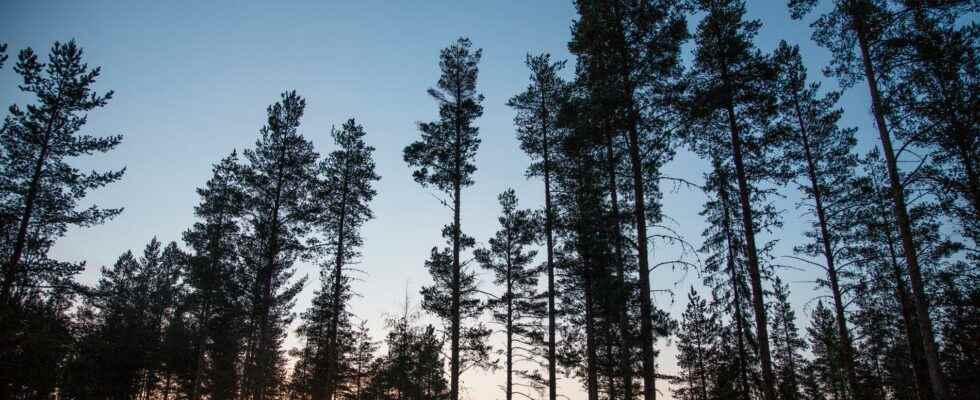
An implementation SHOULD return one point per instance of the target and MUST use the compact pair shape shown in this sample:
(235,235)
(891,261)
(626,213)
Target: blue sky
(192,80)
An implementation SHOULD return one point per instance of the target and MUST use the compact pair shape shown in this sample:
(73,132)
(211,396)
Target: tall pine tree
(443,158)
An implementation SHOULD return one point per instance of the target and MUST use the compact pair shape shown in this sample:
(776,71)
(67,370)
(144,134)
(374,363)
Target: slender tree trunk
(199,360)
(846,348)
(640,220)
(550,241)
(902,218)
(752,255)
(591,376)
(509,391)
(333,355)
(260,356)
(10,272)
(625,355)
(454,361)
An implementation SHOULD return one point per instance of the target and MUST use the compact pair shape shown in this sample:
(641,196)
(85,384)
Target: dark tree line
(891,233)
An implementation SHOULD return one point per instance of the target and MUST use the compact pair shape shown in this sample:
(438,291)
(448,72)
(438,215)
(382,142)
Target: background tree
(724,269)
(135,301)
(347,176)
(698,345)
(520,308)
(826,361)
(412,368)
(536,121)
(443,158)
(787,344)
(215,283)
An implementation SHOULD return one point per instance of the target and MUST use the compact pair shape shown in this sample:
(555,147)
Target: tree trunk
(902,218)
(454,362)
(846,348)
(922,384)
(625,355)
(639,216)
(591,378)
(509,390)
(549,237)
(10,272)
(333,355)
(752,255)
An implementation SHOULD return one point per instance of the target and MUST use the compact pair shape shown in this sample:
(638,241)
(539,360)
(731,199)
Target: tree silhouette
(443,158)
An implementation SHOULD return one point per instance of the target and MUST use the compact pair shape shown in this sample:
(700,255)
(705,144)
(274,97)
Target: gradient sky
(192,80)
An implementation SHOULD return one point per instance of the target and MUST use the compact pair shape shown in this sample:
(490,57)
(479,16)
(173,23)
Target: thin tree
(519,309)
(443,158)
(347,175)
(820,153)
(698,345)
(786,343)
(536,121)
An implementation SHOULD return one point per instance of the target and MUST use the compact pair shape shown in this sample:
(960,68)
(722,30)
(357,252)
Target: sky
(192,81)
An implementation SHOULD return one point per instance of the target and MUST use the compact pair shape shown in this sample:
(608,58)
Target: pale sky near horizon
(192,81)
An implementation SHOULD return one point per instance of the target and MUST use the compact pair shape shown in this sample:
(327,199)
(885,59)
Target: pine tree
(214,277)
(584,254)
(135,301)
(725,274)
(787,344)
(826,361)
(731,107)
(347,174)
(868,25)
(519,308)
(937,74)
(698,347)
(278,177)
(358,364)
(40,187)
(877,245)
(412,368)
(632,50)
(820,153)
(443,158)
(536,120)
